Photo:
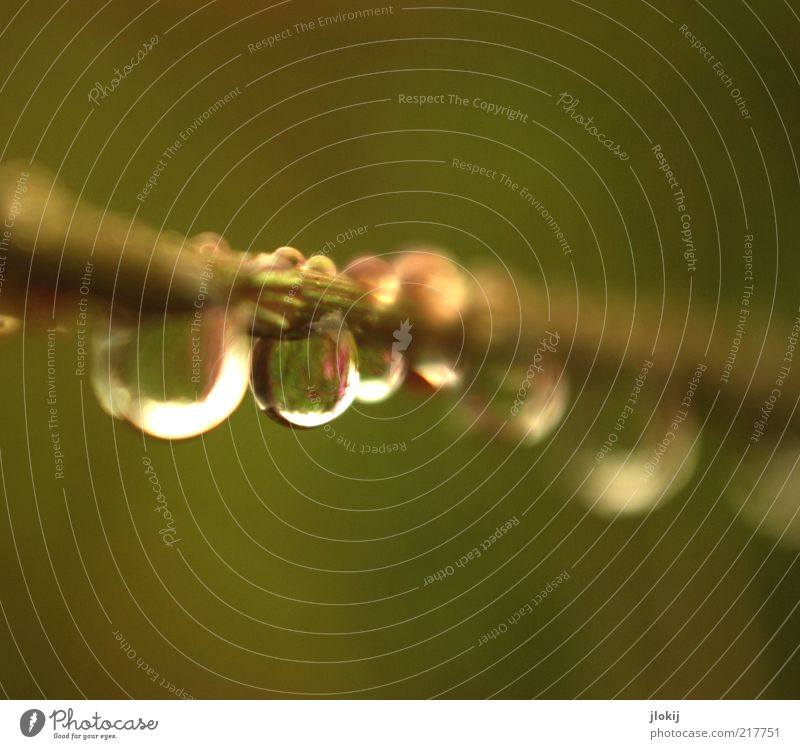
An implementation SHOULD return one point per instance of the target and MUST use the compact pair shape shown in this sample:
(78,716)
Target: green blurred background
(301,565)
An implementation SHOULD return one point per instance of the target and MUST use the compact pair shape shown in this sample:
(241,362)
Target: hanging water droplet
(309,381)
(173,377)
(381,372)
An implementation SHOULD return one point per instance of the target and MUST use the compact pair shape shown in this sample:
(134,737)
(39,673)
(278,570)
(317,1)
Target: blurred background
(306,568)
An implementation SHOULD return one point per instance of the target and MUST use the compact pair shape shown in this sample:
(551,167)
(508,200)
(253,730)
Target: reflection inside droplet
(381,372)
(173,376)
(309,381)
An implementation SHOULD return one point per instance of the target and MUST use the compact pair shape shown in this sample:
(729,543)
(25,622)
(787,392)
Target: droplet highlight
(543,409)
(382,371)
(173,376)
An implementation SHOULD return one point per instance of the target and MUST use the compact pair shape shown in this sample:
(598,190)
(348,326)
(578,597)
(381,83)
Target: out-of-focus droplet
(208,243)
(381,372)
(438,373)
(770,502)
(309,381)
(542,409)
(437,369)
(433,285)
(495,304)
(626,481)
(9,324)
(378,278)
(262,262)
(523,406)
(290,256)
(173,376)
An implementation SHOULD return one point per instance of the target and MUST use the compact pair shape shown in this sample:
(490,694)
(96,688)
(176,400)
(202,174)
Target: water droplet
(173,377)
(113,340)
(309,381)
(290,256)
(208,243)
(630,480)
(320,264)
(381,372)
(530,403)
(495,305)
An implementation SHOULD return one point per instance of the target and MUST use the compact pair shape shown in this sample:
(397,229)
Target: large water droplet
(309,381)
(381,370)
(173,376)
